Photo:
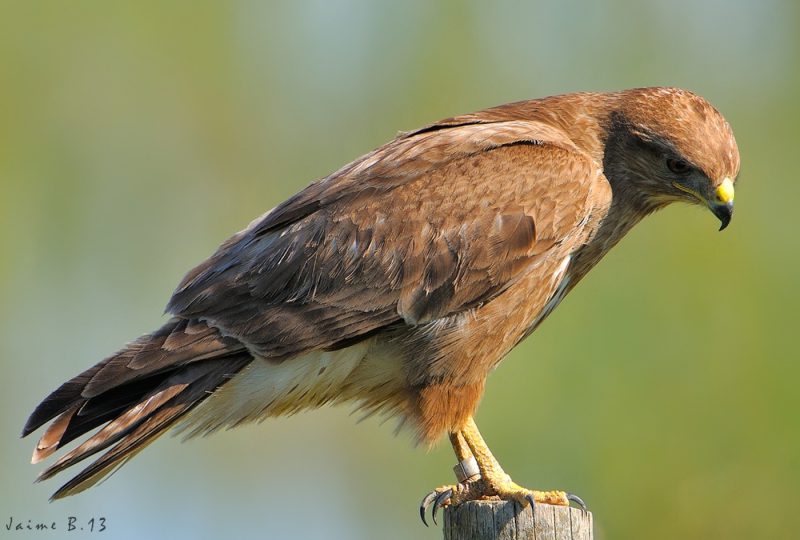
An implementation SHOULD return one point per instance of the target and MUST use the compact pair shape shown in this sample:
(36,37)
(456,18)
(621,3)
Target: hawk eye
(678,166)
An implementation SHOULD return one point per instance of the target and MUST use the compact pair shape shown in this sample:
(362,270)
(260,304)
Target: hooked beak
(722,205)
(720,201)
(724,212)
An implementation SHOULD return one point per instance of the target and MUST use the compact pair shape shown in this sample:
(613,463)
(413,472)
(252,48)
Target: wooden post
(505,520)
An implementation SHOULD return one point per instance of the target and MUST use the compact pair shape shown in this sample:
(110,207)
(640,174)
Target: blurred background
(136,136)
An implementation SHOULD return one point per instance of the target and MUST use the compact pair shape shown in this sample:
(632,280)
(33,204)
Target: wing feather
(433,223)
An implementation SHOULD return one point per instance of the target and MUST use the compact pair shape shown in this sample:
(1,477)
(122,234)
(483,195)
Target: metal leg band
(466,469)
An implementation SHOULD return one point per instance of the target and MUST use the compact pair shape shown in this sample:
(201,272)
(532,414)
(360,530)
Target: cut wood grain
(504,520)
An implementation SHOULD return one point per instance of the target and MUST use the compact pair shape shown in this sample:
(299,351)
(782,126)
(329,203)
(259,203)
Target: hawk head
(668,144)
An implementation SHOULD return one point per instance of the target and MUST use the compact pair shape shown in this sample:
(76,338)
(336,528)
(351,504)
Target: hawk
(398,282)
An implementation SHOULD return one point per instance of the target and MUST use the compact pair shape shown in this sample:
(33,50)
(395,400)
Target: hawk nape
(398,282)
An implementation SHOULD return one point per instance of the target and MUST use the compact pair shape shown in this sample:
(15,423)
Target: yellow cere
(725,191)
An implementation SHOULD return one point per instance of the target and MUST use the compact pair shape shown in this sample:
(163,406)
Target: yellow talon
(492,482)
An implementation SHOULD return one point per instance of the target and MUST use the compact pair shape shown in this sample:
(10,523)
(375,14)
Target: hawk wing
(434,223)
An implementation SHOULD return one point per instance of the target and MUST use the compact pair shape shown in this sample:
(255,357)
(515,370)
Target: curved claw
(577,500)
(439,502)
(531,501)
(426,502)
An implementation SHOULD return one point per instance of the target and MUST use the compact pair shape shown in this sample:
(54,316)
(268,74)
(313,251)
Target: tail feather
(162,350)
(54,435)
(88,414)
(116,399)
(115,429)
(153,425)
(136,400)
(150,355)
(60,400)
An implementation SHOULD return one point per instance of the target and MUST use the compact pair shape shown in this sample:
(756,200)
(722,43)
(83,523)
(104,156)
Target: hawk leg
(492,482)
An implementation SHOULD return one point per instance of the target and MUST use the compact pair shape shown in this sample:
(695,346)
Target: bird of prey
(398,282)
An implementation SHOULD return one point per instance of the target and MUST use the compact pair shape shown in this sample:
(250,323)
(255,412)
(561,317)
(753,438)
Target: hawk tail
(135,395)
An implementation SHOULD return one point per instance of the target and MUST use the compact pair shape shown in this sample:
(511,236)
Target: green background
(136,136)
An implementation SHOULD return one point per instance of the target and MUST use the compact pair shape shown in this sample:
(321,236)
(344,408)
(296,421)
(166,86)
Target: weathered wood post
(504,520)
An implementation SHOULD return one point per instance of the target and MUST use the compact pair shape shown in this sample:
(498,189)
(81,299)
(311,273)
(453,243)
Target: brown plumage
(401,280)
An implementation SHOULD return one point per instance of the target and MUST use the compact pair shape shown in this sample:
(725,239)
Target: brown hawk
(399,281)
